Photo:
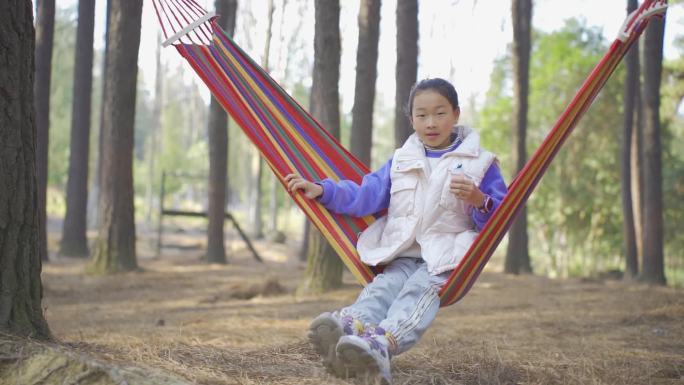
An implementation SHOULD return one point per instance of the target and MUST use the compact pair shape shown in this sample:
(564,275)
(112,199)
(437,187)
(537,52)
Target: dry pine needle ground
(241,324)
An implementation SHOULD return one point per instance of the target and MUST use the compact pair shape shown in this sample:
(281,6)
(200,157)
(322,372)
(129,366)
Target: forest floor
(222,324)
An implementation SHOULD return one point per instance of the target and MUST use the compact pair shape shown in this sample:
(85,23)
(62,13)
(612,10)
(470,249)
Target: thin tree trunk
(114,248)
(276,189)
(631,84)
(257,215)
(637,161)
(21,290)
(653,263)
(324,267)
(218,154)
(274,210)
(517,255)
(304,247)
(407,66)
(94,195)
(45,26)
(366,74)
(255,197)
(156,131)
(265,63)
(74,241)
(637,177)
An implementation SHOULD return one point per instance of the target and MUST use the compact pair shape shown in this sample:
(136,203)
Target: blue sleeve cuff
(327,195)
(493,185)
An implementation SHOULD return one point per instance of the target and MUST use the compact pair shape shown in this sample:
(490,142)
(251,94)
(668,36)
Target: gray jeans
(403,300)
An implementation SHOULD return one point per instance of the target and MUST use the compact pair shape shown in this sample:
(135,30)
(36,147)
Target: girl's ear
(410,120)
(457,112)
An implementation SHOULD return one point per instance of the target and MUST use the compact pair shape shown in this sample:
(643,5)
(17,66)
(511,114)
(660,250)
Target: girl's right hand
(296,182)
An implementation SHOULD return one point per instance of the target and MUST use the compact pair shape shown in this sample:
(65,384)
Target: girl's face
(433,118)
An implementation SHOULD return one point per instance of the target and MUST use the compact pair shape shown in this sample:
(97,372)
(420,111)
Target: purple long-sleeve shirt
(373,195)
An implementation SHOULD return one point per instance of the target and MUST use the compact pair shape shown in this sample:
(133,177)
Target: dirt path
(191,319)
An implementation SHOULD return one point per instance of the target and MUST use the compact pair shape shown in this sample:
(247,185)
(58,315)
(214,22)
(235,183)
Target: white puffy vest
(423,210)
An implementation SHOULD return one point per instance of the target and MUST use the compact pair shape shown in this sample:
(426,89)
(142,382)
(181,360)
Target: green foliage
(575,213)
(575,206)
(672,116)
(495,118)
(184,147)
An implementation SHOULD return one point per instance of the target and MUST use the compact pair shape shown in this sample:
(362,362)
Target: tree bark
(74,241)
(21,290)
(517,253)
(324,267)
(45,26)
(94,195)
(255,215)
(114,248)
(366,74)
(154,138)
(653,263)
(637,161)
(218,154)
(257,206)
(631,84)
(407,66)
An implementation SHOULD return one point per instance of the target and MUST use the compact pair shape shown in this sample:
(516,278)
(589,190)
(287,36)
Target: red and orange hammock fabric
(291,140)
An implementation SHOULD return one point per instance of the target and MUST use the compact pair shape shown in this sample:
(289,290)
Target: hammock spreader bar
(291,140)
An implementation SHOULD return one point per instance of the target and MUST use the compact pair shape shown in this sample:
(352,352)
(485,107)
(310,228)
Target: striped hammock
(291,140)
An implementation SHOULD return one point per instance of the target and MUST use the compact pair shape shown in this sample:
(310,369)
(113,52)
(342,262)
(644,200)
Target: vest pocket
(447,199)
(403,195)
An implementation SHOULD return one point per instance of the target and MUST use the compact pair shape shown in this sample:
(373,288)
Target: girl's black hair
(441,86)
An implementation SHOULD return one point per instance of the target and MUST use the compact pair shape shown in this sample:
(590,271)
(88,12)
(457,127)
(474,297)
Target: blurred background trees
(575,218)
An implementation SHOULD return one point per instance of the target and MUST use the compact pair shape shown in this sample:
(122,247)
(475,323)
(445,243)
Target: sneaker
(324,333)
(366,357)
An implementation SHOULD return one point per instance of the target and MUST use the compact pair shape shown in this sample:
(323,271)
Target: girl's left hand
(464,189)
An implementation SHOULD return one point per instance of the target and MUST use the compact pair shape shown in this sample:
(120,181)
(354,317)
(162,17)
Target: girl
(440,188)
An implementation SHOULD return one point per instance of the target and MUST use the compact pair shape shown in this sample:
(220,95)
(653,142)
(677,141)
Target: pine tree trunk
(94,194)
(324,267)
(653,263)
(155,133)
(257,218)
(366,74)
(637,168)
(407,66)
(255,196)
(631,84)
(218,154)
(517,254)
(74,241)
(218,164)
(304,247)
(114,248)
(21,290)
(45,26)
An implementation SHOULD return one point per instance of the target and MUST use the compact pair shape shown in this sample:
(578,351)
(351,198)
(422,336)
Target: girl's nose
(430,121)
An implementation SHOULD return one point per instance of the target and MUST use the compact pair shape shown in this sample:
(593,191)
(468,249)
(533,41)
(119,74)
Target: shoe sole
(359,363)
(323,336)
